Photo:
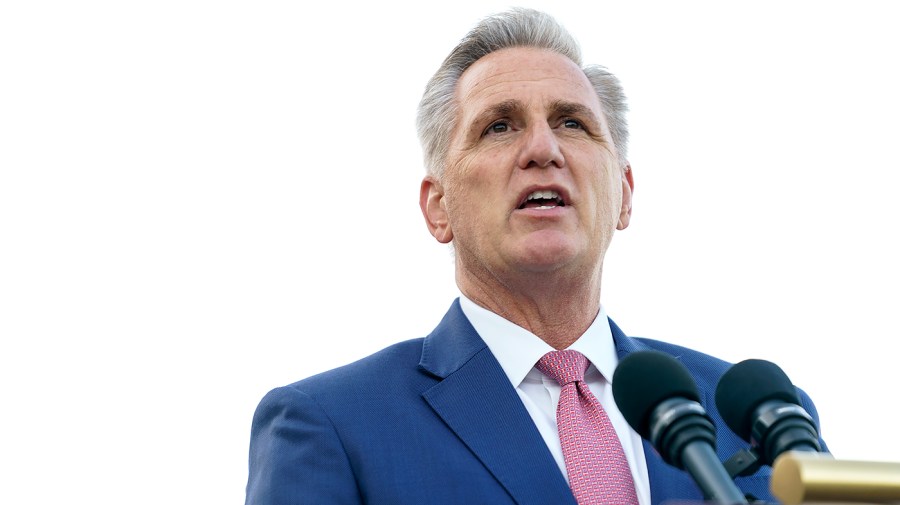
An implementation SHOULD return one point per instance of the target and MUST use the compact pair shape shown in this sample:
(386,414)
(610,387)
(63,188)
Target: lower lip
(542,212)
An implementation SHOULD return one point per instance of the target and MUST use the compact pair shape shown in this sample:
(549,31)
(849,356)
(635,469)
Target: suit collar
(452,343)
(625,345)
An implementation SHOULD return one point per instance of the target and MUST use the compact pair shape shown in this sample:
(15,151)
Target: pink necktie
(597,468)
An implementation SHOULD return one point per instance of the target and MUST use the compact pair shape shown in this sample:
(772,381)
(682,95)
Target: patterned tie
(596,464)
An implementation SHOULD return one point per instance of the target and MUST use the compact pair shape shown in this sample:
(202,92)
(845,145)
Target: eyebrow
(501,109)
(563,108)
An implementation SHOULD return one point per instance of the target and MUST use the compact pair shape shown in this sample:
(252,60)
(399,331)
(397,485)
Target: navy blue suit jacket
(436,421)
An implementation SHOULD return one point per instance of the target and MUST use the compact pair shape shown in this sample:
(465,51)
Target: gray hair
(518,27)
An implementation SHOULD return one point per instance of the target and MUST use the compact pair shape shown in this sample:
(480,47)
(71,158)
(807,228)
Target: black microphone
(659,399)
(760,404)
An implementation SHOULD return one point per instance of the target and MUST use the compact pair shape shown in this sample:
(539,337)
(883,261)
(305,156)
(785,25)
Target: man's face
(532,182)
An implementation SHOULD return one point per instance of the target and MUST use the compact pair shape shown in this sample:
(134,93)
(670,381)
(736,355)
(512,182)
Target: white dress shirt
(518,350)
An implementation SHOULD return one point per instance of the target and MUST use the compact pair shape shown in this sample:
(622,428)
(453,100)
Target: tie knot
(564,366)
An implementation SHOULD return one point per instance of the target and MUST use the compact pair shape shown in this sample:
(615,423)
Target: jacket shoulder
(394,362)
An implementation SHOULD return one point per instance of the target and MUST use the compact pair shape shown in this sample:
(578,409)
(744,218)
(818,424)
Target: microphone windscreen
(645,379)
(745,386)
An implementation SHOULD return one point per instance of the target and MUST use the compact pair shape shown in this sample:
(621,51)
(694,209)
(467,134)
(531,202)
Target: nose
(540,148)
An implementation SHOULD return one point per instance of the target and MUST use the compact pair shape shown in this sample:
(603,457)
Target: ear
(431,201)
(627,191)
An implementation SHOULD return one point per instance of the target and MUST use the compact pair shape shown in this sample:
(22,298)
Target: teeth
(545,195)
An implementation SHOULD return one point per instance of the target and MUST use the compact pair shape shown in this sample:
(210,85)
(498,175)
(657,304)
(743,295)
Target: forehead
(531,75)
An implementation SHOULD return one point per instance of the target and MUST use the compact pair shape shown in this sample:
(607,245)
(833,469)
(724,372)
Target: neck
(556,309)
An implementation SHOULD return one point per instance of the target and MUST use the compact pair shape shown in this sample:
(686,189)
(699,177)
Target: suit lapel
(479,404)
(666,481)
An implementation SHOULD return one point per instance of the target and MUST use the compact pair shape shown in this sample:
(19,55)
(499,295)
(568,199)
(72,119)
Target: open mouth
(545,199)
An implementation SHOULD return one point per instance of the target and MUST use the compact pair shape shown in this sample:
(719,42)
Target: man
(528,180)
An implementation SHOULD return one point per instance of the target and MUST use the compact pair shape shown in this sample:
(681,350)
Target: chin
(547,257)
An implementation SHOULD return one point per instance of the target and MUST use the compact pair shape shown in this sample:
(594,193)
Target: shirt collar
(517,349)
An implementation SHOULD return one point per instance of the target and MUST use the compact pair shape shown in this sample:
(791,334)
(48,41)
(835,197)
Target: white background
(200,201)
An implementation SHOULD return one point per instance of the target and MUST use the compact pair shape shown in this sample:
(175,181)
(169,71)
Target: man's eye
(498,127)
(571,123)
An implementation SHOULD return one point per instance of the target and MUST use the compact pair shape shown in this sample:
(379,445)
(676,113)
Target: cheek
(608,200)
(462,206)
(473,181)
